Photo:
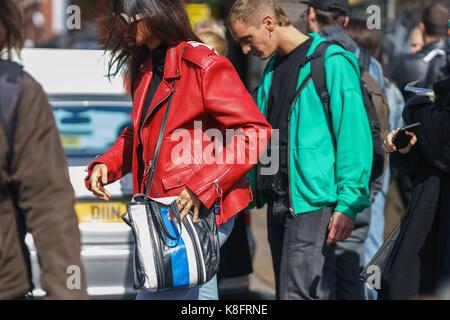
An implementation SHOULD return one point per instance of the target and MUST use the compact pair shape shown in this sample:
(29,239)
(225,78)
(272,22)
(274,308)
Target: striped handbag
(170,253)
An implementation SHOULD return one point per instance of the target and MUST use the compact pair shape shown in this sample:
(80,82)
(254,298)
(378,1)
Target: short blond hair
(215,41)
(250,12)
(212,34)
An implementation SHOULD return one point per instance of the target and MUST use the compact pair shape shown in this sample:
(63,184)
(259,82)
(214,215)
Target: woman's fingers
(182,200)
(106,192)
(413,140)
(411,144)
(388,145)
(98,177)
(186,209)
(188,201)
(196,213)
(104,174)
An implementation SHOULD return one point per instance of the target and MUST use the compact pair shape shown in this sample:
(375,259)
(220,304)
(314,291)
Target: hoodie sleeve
(354,141)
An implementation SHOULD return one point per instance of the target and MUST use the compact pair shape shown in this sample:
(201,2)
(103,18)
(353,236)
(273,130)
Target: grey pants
(299,253)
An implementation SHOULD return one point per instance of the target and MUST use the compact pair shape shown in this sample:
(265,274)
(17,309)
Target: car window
(90,131)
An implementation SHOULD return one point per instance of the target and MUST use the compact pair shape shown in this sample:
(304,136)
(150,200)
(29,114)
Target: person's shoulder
(30,85)
(200,54)
(33,99)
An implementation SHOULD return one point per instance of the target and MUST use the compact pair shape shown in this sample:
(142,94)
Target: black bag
(381,258)
(276,186)
(170,253)
(378,121)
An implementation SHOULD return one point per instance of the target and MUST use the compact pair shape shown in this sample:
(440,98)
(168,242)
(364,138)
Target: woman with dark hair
(167,66)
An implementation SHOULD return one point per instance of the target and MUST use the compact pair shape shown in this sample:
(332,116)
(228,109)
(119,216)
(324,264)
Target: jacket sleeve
(227,100)
(118,158)
(44,194)
(354,151)
(433,135)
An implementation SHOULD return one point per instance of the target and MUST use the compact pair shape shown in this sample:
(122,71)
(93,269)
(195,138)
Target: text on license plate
(100,212)
(70,142)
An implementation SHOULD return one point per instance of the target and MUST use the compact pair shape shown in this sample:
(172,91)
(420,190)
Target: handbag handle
(158,145)
(162,226)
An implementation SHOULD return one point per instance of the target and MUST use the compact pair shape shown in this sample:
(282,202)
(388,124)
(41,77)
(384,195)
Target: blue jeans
(207,291)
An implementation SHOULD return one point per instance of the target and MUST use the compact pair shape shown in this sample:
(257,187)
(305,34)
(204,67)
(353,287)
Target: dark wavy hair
(167,20)
(12,33)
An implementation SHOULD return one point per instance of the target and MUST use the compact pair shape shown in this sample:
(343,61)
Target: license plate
(100,212)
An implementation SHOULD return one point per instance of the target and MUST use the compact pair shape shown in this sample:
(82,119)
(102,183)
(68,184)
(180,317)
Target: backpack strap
(364,58)
(10,88)
(319,78)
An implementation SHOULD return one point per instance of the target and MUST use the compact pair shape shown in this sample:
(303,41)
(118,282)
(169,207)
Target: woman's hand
(389,146)
(98,180)
(185,201)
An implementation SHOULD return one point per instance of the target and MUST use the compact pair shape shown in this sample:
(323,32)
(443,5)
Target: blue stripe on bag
(178,254)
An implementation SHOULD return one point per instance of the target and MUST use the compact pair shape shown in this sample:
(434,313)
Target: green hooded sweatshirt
(321,175)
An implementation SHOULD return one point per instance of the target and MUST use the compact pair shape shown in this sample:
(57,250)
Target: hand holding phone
(402,139)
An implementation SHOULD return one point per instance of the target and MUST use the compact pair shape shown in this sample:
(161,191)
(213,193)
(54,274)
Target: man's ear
(269,23)
(311,19)
(422,28)
(311,16)
(346,22)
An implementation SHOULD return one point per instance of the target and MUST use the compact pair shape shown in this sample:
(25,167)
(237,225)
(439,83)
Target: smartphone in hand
(401,139)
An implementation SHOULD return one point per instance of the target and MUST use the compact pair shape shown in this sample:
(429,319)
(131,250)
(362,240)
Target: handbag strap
(152,168)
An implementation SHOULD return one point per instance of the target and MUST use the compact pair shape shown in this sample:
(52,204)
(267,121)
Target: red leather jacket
(208,90)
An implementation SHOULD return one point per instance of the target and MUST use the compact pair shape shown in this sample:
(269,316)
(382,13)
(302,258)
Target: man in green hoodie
(323,177)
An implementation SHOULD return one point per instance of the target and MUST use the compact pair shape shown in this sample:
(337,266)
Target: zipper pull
(145,175)
(147,169)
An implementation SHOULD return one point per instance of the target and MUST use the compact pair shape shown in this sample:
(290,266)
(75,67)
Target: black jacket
(419,260)
(412,67)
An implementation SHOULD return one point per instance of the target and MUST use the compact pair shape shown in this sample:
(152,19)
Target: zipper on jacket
(215,182)
(217,190)
(145,181)
(148,116)
(302,86)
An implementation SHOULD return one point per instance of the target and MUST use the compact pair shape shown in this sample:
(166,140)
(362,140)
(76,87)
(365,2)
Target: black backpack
(10,89)
(377,113)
